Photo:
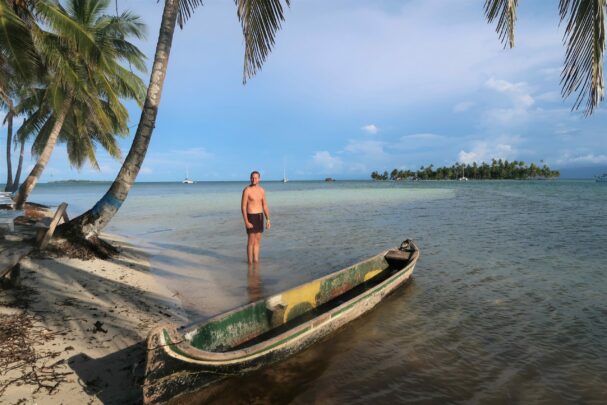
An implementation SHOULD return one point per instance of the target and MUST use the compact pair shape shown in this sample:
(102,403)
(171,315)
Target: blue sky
(356,86)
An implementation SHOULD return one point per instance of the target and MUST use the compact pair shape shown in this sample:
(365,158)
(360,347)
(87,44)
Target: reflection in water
(254,286)
(280,383)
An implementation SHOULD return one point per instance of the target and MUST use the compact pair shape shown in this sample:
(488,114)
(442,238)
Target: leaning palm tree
(260,20)
(584,40)
(82,56)
(18,66)
(80,133)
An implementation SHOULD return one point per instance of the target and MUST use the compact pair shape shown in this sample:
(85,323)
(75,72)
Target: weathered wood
(45,235)
(11,257)
(8,218)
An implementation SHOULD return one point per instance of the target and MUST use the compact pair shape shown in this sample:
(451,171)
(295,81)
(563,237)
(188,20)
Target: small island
(329,179)
(498,170)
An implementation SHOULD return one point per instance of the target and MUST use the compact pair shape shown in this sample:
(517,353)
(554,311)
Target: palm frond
(260,20)
(70,29)
(505,12)
(186,8)
(16,43)
(585,43)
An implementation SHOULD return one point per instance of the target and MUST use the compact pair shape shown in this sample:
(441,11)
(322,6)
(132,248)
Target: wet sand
(74,331)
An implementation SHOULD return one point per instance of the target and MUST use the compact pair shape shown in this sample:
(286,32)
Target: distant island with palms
(498,170)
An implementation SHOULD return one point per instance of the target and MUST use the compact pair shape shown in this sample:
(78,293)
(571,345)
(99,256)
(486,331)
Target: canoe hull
(173,370)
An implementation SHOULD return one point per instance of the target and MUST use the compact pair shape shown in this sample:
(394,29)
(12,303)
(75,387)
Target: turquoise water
(508,301)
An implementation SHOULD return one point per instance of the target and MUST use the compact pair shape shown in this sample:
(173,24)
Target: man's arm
(243,208)
(266,210)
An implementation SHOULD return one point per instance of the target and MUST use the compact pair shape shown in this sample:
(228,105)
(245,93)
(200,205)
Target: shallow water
(508,301)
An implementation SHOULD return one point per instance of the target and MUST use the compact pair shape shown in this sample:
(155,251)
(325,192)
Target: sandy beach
(73,332)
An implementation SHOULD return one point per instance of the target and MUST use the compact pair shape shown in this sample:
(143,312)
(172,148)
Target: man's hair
(255,172)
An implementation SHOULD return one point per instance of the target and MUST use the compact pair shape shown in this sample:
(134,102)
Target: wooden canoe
(188,358)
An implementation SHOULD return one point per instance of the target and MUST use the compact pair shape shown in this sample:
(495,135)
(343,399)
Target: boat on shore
(185,359)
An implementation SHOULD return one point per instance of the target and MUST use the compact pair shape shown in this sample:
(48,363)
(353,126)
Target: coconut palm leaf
(260,20)
(185,10)
(16,46)
(505,13)
(585,42)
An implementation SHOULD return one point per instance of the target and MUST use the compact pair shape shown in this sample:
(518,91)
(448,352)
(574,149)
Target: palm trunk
(9,141)
(94,220)
(19,166)
(30,182)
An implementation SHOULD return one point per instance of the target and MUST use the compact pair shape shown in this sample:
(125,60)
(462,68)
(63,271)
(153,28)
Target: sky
(354,86)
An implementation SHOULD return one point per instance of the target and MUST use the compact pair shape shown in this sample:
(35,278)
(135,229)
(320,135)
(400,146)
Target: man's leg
(257,245)
(250,246)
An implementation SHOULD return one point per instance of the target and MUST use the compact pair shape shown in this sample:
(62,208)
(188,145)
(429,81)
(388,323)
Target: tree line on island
(498,170)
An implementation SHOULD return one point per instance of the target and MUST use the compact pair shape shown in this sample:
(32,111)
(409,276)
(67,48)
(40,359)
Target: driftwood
(11,256)
(46,230)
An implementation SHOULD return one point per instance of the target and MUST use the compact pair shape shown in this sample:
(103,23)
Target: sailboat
(463,178)
(187,179)
(284,173)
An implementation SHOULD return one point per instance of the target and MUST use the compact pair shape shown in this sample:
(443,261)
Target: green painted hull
(263,332)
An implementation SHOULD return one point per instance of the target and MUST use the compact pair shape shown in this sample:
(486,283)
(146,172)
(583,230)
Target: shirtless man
(254,207)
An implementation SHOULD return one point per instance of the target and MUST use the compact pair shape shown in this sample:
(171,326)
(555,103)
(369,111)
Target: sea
(508,302)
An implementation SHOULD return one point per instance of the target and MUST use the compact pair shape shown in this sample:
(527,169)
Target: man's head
(255,176)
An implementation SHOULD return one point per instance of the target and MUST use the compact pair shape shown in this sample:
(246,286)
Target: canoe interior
(266,318)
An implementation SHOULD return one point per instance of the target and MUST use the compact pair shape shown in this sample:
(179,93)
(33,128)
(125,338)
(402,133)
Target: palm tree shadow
(114,379)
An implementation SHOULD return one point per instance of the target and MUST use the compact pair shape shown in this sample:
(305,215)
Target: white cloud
(422,137)
(518,99)
(326,161)
(550,96)
(518,92)
(371,149)
(370,129)
(198,153)
(485,150)
(468,157)
(463,106)
(588,158)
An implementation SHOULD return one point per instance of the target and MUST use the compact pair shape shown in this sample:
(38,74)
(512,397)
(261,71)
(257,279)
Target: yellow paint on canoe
(369,275)
(306,293)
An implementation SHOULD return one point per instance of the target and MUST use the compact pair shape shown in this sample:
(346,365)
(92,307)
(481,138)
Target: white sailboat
(187,179)
(463,178)
(284,173)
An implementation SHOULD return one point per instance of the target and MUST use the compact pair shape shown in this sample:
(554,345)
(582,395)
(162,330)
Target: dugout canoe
(190,357)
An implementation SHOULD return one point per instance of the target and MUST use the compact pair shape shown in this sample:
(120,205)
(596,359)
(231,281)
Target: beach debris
(98,327)
(20,362)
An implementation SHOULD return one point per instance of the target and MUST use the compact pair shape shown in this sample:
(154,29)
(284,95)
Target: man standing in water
(254,206)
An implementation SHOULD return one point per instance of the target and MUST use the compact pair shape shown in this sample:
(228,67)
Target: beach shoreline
(74,330)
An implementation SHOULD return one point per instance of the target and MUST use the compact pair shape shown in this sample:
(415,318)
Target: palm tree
(80,133)
(260,21)
(18,67)
(585,45)
(83,75)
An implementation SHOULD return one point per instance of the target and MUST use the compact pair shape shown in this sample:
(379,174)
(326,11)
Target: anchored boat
(188,358)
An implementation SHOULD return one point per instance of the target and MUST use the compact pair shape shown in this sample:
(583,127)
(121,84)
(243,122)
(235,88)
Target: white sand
(102,364)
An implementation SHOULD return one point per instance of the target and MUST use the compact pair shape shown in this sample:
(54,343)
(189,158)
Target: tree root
(78,247)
